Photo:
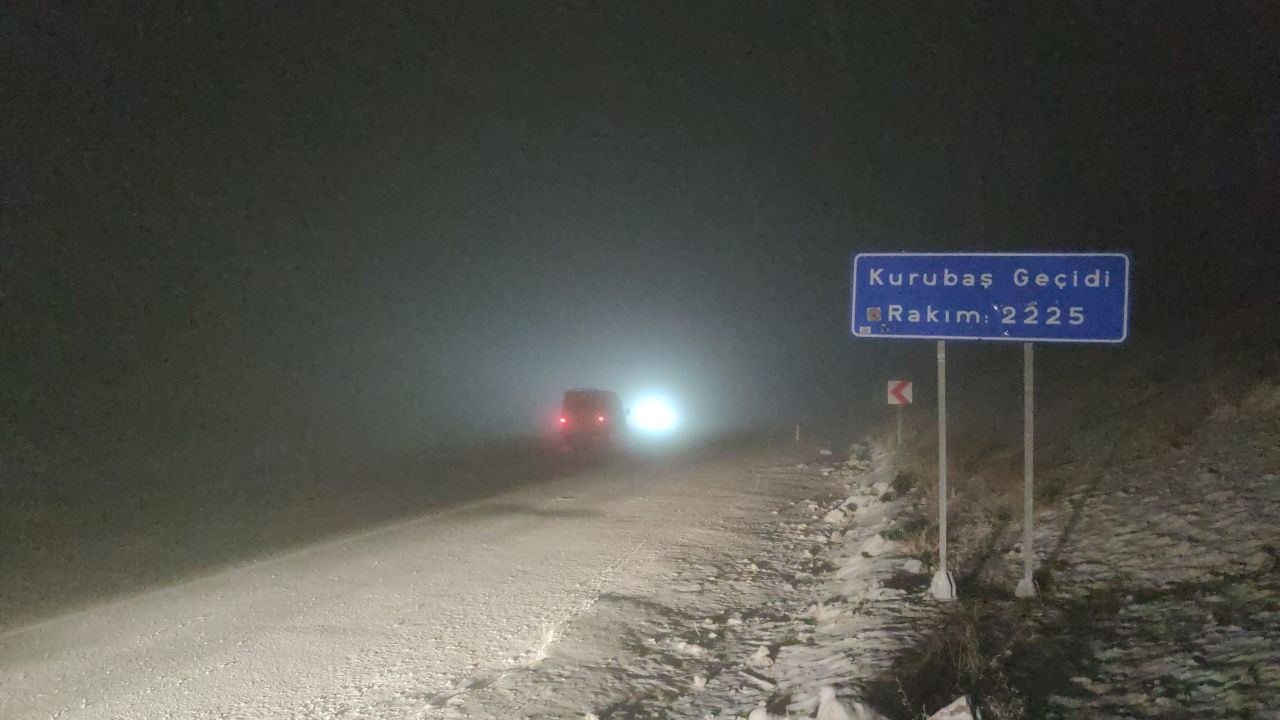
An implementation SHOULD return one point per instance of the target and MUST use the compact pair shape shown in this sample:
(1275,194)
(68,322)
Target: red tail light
(599,418)
(564,420)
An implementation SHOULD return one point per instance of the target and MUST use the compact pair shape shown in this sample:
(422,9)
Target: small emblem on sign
(873,314)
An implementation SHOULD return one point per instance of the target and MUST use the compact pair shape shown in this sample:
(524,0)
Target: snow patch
(962,709)
(761,658)
(877,545)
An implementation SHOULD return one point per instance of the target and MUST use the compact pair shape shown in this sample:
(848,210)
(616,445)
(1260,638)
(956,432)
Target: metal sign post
(1027,585)
(943,586)
(1011,297)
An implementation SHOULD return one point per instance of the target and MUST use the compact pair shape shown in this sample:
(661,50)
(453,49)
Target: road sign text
(1050,297)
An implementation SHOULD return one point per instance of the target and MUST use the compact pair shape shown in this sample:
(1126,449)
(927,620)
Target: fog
(410,225)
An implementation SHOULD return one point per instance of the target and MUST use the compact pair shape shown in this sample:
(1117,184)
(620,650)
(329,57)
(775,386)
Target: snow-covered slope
(1157,529)
(1166,576)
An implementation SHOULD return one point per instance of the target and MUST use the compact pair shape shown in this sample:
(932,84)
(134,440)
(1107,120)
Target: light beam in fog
(653,415)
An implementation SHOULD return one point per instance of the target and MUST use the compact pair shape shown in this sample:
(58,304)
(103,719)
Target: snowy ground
(593,592)
(1165,567)
(712,589)
(1157,538)
(811,596)
(95,524)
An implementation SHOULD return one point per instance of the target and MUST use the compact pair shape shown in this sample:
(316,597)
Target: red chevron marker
(899,392)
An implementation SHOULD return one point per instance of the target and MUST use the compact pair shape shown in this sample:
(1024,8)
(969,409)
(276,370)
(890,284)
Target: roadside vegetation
(1137,541)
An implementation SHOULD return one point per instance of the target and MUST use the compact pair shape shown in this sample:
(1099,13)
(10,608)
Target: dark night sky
(407,221)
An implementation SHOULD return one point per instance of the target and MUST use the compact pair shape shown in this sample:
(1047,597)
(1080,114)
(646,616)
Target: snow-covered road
(389,623)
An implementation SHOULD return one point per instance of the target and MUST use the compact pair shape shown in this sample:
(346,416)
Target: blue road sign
(1039,297)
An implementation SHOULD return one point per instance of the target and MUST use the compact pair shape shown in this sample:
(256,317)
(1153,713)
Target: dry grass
(1085,432)
(965,655)
(978,501)
(922,543)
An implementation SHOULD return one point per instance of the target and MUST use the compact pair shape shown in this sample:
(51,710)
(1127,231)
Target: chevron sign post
(899,393)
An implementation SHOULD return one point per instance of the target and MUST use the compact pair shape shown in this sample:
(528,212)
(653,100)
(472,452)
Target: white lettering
(875,278)
(932,315)
(1098,278)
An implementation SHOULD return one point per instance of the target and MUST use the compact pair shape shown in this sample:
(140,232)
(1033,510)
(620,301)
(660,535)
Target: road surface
(387,623)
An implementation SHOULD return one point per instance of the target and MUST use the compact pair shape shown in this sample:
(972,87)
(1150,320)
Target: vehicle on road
(591,418)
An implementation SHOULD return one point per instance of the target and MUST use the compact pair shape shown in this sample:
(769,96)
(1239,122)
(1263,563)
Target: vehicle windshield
(586,401)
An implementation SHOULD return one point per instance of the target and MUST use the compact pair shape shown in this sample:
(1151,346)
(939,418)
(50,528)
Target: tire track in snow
(725,487)
(552,631)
